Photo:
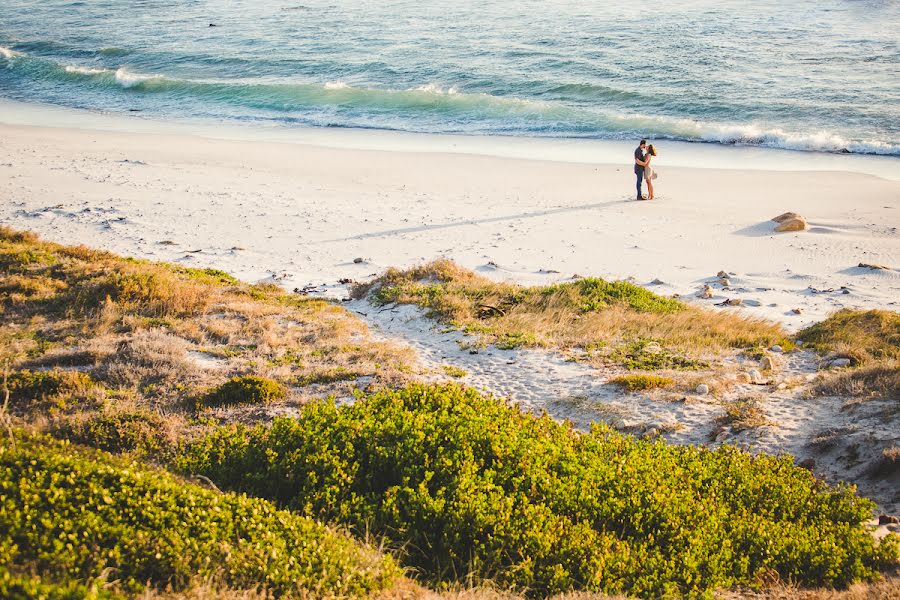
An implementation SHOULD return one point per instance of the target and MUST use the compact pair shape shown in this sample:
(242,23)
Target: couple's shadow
(483,221)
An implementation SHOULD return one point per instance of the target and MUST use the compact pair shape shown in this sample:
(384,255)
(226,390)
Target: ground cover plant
(635,383)
(76,515)
(473,489)
(82,330)
(584,313)
(871,340)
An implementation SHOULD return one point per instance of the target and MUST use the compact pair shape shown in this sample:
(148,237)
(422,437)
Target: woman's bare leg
(650,189)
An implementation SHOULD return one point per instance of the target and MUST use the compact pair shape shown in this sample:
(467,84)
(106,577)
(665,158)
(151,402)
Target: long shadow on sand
(436,226)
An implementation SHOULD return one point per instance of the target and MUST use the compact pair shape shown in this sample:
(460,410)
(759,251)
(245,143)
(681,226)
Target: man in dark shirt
(639,165)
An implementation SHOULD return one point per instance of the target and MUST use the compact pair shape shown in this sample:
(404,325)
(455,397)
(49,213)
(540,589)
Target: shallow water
(808,75)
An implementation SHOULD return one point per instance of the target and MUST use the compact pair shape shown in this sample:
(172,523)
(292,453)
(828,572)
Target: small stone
(734,302)
(358,260)
(798,224)
(767,363)
(706,293)
(722,274)
(797,311)
(702,389)
(657,282)
(840,363)
(809,464)
(744,378)
(776,349)
(874,267)
(888,519)
(725,282)
(721,432)
(845,291)
(785,217)
(653,348)
(755,376)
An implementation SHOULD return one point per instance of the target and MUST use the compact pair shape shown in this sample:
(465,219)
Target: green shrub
(71,514)
(473,489)
(593,294)
(20,587)
(142,432)
(55,389)
(634,383)
(246,389)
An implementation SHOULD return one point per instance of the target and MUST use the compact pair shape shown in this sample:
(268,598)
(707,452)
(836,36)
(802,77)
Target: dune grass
(863,336)
(607,317)
(80,328)
(871,340)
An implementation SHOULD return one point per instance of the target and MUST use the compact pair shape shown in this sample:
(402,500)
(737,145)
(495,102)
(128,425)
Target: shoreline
(300,214)
(706,155)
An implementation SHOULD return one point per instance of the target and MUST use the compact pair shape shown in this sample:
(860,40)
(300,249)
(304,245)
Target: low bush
(143,432)
(634,383)
(245,389)
(473,489)
(23,587)
(70,514)
(53,389)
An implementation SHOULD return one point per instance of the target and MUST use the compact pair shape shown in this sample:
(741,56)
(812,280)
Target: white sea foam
(336,85)
(128,79)
(86,70)
(8,53)
(755,134)
(433,88)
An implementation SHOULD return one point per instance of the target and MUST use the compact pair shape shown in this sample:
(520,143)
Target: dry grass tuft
(587,313)
(875,382)
(864,336)
(743,414)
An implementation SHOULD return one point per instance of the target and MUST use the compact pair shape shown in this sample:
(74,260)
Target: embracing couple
(643,154)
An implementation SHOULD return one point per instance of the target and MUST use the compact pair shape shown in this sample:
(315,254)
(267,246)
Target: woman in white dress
(649,171)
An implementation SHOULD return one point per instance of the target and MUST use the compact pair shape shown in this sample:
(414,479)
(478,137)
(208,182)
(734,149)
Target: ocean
(813,75)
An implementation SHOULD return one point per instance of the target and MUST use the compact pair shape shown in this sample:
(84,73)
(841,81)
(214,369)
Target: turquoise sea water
(820,75)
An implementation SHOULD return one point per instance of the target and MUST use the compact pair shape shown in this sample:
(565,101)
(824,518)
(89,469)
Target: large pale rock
(795,224)
(785,217)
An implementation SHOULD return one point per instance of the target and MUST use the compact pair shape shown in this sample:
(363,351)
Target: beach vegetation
(136,326)
(454,371)
(864,336)
(744,413)
(244,389)
(611,317)
(74,515)
(472,489)
(140,431)
(640,382)
(56,389)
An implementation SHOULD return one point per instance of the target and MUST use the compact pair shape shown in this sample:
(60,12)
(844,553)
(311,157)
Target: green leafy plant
(72,513)
(473,489)
(246,389)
